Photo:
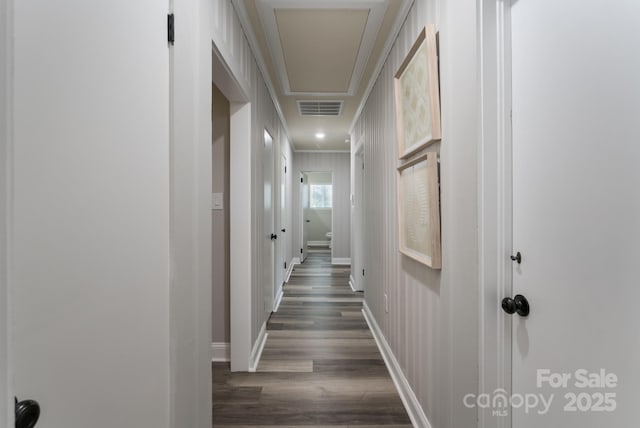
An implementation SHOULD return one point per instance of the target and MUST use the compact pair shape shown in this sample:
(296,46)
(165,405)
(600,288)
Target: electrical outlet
(386,303)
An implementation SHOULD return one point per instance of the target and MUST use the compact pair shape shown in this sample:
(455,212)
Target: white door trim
(240,228)
(494,203)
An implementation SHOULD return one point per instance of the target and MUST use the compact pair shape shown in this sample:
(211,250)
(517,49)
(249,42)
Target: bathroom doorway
(316,190)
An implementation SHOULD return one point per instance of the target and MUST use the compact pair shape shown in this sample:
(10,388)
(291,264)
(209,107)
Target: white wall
(340,165)
(5,132)
(320,224)
(190,295)
(432,321)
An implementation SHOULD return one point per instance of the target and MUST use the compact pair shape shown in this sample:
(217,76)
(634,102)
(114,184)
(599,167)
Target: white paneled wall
(340,165)
(231,43)
(431,325)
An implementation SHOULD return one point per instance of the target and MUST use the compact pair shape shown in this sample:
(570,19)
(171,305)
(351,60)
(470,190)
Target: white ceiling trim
(266,11)
(403,12)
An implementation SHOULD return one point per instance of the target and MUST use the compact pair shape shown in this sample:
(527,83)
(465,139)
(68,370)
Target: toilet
(328,235)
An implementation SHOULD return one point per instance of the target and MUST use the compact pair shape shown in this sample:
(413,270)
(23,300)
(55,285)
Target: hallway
(320,365)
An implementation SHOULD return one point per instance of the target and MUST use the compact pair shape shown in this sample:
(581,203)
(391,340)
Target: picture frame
(419,210)
(417,95)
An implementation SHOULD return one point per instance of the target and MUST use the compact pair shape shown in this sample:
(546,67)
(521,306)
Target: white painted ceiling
(321,50)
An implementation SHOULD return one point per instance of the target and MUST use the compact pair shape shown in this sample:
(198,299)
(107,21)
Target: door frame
(240,212)
(494,204)
(301,208)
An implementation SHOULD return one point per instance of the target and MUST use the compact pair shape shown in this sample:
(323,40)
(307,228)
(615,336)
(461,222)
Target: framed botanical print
(417,95)
(419,210)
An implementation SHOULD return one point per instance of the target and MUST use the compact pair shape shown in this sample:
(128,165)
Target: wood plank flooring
(320,366)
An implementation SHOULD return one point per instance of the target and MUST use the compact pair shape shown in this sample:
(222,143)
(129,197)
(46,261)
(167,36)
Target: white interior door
(268,222)
(89,223)
(304,197)
(358,223)
(576,110)
(282,242)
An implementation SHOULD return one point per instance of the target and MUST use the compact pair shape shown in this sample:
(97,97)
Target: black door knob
(27,413)
(518,304)
(274,236)
(283,230)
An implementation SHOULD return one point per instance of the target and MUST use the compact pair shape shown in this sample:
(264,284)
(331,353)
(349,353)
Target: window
(320,195)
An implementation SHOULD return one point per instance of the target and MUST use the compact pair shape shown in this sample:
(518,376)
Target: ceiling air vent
(320,108)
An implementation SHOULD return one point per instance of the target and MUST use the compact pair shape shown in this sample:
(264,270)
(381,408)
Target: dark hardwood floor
(320,366)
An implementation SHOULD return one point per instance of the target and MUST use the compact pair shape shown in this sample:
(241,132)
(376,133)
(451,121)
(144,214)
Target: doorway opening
(316,195)
(221,331)
(239,203)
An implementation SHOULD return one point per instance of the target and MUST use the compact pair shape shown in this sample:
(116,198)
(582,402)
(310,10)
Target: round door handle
(283,230)
(27,413)
(518,304)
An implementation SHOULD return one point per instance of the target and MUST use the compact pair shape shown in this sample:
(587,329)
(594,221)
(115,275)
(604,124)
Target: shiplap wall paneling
(229,39)
(434,342)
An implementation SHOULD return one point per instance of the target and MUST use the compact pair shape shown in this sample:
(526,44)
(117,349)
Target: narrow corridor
(320,365)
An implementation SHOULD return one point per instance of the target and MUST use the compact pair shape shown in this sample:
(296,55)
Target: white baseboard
(319,243)
(256,352)
(220,352)
(352,284)
(341,261)
(294,261)
(278,300)
(352,281)
(408,397)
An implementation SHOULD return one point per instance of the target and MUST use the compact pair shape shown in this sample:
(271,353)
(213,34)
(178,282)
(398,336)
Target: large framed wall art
(417,94)
(419,210)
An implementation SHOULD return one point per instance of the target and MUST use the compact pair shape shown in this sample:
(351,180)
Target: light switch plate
(217,201)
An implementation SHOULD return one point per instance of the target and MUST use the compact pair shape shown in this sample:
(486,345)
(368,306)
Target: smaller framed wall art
(419,210)
(417,93)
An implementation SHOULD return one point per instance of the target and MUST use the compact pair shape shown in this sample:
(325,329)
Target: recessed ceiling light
(320,135)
